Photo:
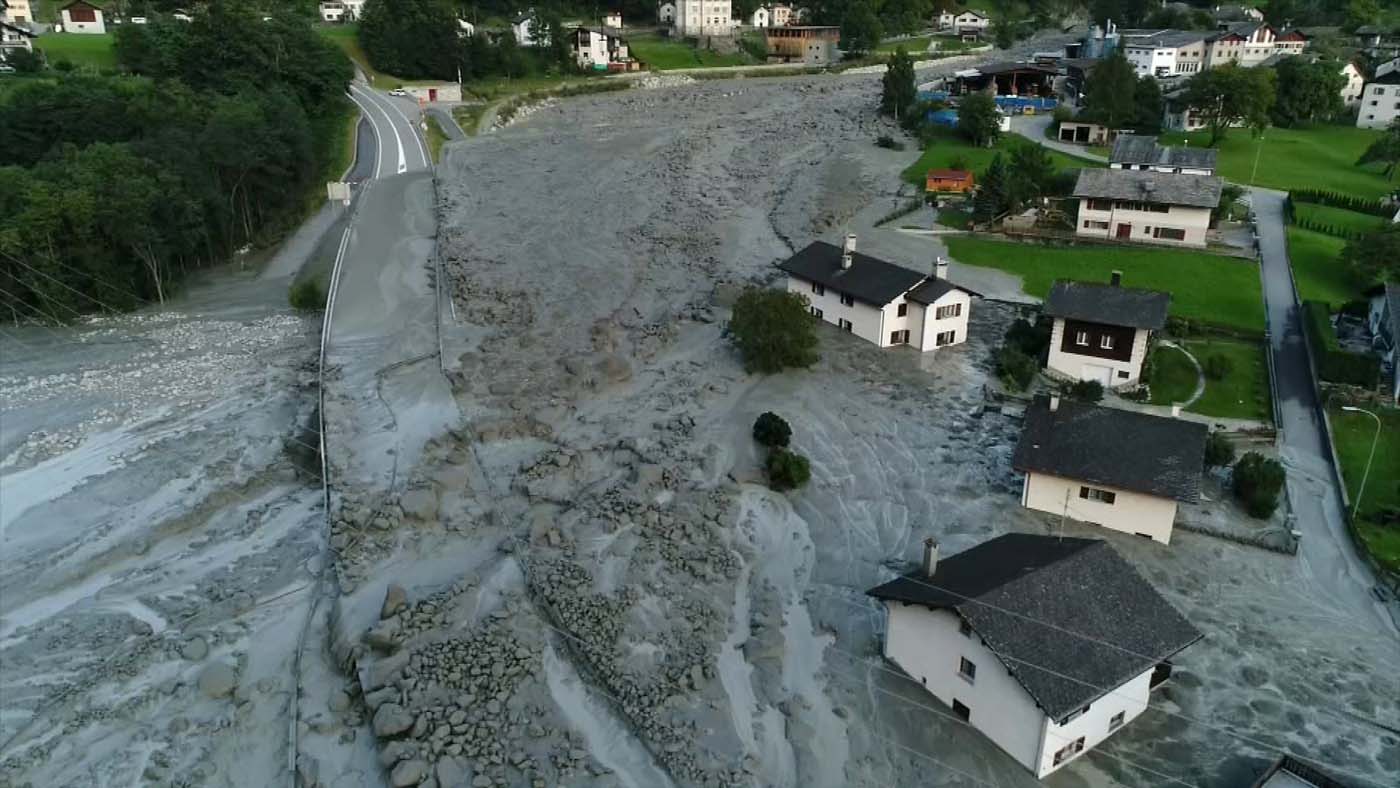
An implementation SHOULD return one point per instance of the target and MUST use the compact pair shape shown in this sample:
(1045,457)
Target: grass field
(468,117)
(1340,218)
(1173,376)
(436,137)
(344,154)
(346,37)
(1353,433)
(662,54)
(1319,157)
(948,148)
(80,49)
(1207,287)
(1242,394)
(1318,268)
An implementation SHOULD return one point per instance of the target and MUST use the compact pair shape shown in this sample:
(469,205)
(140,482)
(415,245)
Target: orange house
(948,181)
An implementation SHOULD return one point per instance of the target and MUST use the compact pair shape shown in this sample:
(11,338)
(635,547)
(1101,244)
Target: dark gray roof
(1165,188)
(24,31)
(933,289)
(1111,304)
(1245,29)
(1070,619)
(869,279)
(1388,78)
(1009,67)
(1166,39)
(1143,149)
(1154,455)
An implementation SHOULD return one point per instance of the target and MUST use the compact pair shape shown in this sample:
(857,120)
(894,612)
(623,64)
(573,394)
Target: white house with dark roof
(1380,101)
(1101,331)
(1145,206)
(1383,319)
(1120,469)
(1142,152)
(14,38)
(1046,645)
(878,301)
(1165,53)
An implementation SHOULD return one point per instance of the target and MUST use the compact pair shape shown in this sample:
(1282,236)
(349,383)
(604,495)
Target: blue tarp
(944,117)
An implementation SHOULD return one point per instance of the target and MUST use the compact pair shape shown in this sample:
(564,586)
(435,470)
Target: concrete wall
(1071,365)
(1193,221)
(1131,699)
(927,645)
(1131,512)
(1380,104)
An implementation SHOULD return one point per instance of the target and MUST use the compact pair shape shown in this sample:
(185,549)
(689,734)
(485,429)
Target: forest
(216,134)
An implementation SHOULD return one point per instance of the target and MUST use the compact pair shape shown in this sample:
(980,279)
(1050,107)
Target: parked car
(6,69)
(398,92)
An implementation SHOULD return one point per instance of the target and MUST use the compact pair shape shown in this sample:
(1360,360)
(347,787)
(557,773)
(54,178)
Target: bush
(787,470)
(1257,482)
(1217,366)
(1060,114)
(773,330)
(959,162)
(1083,390)
(1178,326)
(772,430)
(1334,364)
(1015,369)
(1349,202)
(307,295)
(1029,338)
(1219,450)
(886,141)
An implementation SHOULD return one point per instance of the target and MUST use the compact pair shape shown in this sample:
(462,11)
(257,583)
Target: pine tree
(899,92)
(990,200)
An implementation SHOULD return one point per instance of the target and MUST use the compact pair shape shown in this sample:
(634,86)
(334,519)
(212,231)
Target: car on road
(398,92)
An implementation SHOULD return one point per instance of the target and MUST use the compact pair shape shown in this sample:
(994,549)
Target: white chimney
(848,250)
(940,268)
(1176,411)
(1054,402)
(930,556)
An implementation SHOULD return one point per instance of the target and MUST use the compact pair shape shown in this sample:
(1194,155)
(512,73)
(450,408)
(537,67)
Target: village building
(969,22)
(1084,133)
(813,45)
(1251,43)
(666,13)
(1101,331)
(1141,152)
(760,18)
(1120,469)
(523,28)
(612,20)
(1380,101)
(332,11)
(83,17)
(1166,53)
(596,50)
(1046,645)
(698,18)
(1291,772)
(944,181)
(18,14)
(1145,206)
(1383,321)
(1016,78)
(878,301)
(1355,83)
(14,38)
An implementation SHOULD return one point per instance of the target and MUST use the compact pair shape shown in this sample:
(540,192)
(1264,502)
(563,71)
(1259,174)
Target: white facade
(930,646)
(666,13)
(353,8)
(613,19)
(18,13)
(1356,82)
(970,22)
(1101,504)
(900,322)
(524,32)
(1380,105)
(332,12)
(1178,225)
(760,17)
(590,48)
(1150,59)
(14,37)
(1110,372)
(83,18)
(695,18)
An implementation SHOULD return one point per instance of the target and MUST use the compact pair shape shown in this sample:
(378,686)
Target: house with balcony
(1046,645)
(1119,469)
(14,38)
(1101,331)
(1145,206)
(1141,152)
(881,302)
(597,50)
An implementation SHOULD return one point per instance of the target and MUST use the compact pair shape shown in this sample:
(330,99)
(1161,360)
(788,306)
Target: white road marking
(422,151)
(398,140)
(378,135)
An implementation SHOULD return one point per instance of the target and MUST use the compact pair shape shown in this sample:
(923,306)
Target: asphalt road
(399,143)
(1326,550)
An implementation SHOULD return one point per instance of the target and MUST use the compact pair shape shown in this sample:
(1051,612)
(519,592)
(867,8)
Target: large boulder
(217,680)
(395,599)
(391,719)
(420,504)
(408,773)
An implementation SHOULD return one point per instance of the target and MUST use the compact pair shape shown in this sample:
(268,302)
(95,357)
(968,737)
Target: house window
(899,337)
(1091,225)
(967,670)
(947,311)
(903,310)
(964,629)
(961,709)
(844,324)
(847,300)
(1069,751)
(817,313)
(1169,233)
(1081,338)
(1122,374)
(818,289)
(1074,715)
(1115,722)
(1106,342)
(1095,494)
(1100,205)
(945,338)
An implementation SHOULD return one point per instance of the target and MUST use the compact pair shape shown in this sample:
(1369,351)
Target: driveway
(1033,127)
(1326,550)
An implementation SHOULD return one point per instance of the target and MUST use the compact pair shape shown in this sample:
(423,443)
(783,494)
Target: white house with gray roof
(1142,152)
(1166,53)
(1046,645)
(1146,206)
(878,301)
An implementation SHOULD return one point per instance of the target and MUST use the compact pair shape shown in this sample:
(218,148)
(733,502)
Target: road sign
(338,190)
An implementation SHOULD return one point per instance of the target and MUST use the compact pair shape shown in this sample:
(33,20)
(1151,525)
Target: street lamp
(1356,505)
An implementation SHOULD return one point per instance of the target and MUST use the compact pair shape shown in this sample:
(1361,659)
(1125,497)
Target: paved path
(1200,374)
(1326,550)
(1033,127)
(395,122)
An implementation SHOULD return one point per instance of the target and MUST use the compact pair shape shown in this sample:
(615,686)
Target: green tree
(1230,95)
(979,120)
(902,17)
(1362,12)
(1375,257)
(1386,149)
(1003,33)
(1219,451)
(1257,481)
(772,430)
(773,330)
(1109,98)
(787,470)
(1124,13)
(416,39)
(860,28)
(991,197)
(25,61)
(898,94)
(1147,105)
(1031,174)
(1307,91)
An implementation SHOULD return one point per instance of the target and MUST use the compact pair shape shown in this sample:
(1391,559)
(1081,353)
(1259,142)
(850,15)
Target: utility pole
(1356,505)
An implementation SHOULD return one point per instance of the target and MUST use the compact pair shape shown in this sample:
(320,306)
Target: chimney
(940,268)
(848,250)
(930,557)
(1054,402)
(1116,278)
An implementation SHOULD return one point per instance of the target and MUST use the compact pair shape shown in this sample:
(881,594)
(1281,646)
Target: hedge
(1335,365)
(1327,229)
(1339,200)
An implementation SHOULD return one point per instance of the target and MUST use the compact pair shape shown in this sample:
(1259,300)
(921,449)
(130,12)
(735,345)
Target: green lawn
(1319,157)
(948,148)
(1206,287)
(918,44)
(1340,218)
(662,54)
(954,216)
(436,138)
(1172,377)
(346,37)
(80,49)
(1241,394)
(1318,268)
(1353,433)
(468,117)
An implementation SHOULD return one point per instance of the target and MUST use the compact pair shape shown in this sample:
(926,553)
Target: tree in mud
(773,330)
(899,94)
(787,470)
(772,430)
